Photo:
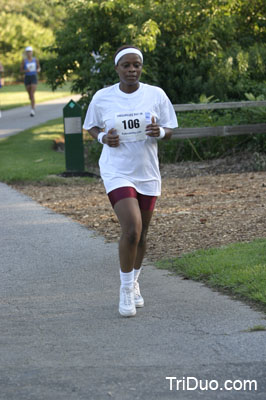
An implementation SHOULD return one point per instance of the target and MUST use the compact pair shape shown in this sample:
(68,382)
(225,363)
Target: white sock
(127,279)
(137,273)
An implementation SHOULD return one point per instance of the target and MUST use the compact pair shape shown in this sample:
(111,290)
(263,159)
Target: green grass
(29,156)
(16,96)
(238,269)
(256,328)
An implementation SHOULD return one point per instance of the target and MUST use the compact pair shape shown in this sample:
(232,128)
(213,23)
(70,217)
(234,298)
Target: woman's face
(129,69)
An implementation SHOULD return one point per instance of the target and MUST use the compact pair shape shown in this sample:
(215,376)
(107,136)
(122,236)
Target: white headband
(129,50)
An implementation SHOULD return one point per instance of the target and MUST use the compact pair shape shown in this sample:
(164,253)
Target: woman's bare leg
(32,95)
(146,217)
(129,216)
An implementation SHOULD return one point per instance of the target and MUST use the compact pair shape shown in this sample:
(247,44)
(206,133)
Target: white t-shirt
(135,161)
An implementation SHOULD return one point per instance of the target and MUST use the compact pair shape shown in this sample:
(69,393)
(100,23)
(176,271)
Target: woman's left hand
(153,129)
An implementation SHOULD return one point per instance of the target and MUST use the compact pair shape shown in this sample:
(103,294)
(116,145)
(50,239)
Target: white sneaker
(139,301)
(32,113)
(127,306)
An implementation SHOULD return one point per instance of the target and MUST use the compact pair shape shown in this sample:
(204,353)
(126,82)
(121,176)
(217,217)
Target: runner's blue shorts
(30,80)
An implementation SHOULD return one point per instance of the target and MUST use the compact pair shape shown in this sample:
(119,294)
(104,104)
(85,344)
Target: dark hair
(125,46)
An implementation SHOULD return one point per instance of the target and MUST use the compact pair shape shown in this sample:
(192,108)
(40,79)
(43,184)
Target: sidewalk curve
(61,336)
(18,119)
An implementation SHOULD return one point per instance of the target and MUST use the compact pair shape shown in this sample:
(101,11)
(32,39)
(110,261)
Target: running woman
(128,118)
(30,67)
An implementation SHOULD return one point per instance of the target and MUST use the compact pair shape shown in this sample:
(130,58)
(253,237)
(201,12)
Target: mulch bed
(203,204)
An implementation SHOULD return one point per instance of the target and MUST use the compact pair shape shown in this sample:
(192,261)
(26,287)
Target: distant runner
(30,67)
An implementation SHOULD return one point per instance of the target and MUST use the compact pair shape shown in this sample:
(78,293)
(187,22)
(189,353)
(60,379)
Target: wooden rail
(217,106)
(187,133)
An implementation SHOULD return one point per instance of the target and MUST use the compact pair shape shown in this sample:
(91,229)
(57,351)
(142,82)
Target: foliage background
(215,47)
(211,47)
(198,50)
(24,23)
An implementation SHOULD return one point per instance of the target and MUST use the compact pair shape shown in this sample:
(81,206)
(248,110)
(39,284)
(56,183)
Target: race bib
(131,126)
(31,66)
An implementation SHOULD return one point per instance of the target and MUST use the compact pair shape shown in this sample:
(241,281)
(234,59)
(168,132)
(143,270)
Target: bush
(211,47)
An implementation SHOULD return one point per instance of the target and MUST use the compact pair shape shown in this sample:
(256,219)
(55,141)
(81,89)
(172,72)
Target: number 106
(131,123)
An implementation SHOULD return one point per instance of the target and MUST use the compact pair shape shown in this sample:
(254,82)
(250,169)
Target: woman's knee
(132,234)
(143,238)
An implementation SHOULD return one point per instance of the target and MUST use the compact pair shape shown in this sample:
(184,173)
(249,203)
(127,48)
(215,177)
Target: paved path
(61,336)
(18,119)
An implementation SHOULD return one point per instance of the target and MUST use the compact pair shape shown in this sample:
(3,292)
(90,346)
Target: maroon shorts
(146,203)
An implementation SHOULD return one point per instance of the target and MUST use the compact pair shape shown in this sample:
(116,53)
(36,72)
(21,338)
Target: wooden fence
(188,133)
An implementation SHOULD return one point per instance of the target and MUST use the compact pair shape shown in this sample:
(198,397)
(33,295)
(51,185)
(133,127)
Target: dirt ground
(203,204)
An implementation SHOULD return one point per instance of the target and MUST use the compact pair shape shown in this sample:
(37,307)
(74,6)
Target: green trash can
(74,150)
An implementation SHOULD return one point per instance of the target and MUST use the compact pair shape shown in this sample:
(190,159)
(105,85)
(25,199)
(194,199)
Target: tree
(18,33)
(92,32)
(24,22)
(216,47)
(48,13)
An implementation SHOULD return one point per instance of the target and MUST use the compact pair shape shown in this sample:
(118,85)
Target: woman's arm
(110,138)
(38,65)
(168,133)
(22,70)
(153,130)
(94,132)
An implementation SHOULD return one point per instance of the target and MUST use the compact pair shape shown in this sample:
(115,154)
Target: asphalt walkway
(61,336)
(18,119)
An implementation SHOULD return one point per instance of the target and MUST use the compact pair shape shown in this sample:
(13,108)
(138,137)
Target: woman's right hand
(111,138)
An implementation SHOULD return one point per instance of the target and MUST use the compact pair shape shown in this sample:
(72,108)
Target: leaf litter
(203,204)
